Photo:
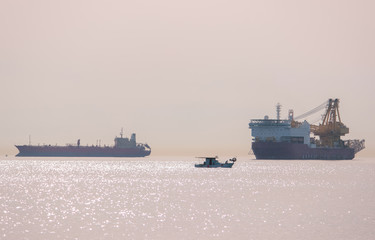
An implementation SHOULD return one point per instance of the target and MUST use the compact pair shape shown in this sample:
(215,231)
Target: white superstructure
(273,130)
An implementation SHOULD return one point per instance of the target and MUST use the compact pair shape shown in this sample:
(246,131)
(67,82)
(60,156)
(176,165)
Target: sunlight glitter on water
(167,198)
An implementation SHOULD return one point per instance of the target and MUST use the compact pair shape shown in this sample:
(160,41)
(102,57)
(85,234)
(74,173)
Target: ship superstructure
(291,139)
(124,147)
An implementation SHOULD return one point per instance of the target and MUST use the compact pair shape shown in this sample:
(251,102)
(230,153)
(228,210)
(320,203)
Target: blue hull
(286,150)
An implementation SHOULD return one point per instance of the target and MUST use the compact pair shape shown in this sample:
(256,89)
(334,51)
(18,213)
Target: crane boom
(312,111)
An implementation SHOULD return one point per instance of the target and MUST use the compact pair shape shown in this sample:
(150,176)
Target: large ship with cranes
(292,139)
(124,147)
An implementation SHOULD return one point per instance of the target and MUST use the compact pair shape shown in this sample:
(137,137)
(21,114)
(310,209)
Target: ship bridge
(274,130)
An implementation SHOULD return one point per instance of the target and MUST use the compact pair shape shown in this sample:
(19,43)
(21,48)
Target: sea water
(167,198)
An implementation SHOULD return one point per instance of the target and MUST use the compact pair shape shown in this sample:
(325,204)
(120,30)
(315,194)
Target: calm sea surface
(167,198)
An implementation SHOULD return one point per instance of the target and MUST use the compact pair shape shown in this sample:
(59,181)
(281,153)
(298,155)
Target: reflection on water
(167,198)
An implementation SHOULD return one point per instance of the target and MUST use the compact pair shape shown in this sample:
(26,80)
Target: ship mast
(278,110)
(122,132)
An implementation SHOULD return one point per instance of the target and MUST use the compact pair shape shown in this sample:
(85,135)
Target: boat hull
(79,151)
(286,150)
(221,165)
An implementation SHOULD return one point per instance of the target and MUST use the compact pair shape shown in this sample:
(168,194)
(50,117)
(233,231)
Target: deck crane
(331,128)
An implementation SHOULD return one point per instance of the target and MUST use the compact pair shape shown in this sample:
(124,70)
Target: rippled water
(167,198)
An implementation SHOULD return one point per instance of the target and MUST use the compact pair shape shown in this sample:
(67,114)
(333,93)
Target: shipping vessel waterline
(124,147)
(290,139)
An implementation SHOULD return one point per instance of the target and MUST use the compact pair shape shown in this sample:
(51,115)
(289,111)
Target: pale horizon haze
(185,76)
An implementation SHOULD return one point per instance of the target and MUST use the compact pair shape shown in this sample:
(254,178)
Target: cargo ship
(291,139)
(124,147)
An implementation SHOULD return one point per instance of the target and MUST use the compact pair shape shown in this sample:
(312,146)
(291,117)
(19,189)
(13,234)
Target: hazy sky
(186,76)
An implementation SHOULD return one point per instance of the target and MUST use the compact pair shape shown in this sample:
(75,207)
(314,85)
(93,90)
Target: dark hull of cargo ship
(286,150)
(75,151)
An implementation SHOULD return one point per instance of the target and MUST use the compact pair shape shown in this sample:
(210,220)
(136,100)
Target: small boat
(211,162)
